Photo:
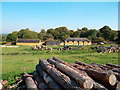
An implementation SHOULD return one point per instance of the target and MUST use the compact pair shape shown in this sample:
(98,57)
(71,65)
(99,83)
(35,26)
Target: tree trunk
(83,80)
(30,84)
(48,80)
(59,77)
(40,82)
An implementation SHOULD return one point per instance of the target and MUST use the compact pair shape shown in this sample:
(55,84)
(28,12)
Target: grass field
(16,61)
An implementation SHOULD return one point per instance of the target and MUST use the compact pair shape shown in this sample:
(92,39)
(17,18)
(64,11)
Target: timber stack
(56,74)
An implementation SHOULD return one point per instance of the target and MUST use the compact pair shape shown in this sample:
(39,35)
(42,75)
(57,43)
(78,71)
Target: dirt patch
(29,61)
(25,68)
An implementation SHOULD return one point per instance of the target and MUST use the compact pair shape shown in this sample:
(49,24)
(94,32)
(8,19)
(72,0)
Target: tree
(42,34)
(62,29)
(51,31)
(64,37)
(48,36)
(70,32)
(84,29)
(76,34)
(11,37)
(56,35)
(27,34)
(106,30)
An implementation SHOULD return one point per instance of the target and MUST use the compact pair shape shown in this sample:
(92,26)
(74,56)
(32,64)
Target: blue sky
(73,15)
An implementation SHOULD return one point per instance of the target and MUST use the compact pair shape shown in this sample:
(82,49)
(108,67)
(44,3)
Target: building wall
(77,43)
(28,43)
(62,43)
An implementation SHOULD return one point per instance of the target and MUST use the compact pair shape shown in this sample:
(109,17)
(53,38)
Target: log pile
(66,48)
(103,49)
(40,47)
(56,74)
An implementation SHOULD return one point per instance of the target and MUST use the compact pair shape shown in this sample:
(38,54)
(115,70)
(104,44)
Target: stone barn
(77,41)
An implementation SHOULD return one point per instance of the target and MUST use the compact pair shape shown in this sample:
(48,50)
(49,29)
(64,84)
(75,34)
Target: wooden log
(87,65)
(40,82)
(117,76)
(116,70)
(48,80)
(30,84)
(102,76)
(112,65)
(118,86)
(103,67)
(58,59)
(59,77)
(84,81)
(51,61)
(96,86)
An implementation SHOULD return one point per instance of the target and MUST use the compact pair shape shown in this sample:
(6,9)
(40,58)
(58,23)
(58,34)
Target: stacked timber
(56,74)
(103,49)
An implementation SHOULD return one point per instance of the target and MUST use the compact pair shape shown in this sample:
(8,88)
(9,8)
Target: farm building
(77,41)
(28,42)
(52,43)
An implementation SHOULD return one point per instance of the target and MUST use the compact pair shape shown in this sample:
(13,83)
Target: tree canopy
(61,33)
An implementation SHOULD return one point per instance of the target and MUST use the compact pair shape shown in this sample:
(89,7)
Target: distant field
(16,61)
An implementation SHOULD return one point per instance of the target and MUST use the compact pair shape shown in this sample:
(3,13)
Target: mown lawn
(16,61)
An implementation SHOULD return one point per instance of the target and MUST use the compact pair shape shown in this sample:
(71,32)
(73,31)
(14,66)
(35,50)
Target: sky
(45,15)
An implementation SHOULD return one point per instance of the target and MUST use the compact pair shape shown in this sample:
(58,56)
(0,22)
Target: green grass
(16,61)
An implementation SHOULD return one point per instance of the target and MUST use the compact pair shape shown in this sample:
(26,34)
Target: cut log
(83,80)
(59,77)
(30,83)
(48,80)
(103,67)
(58,59)
(96,86)
(40,82)
(116,70)
(102,76)
(118,86)
(117,76)
(87,65)
(112,65)
(51,61)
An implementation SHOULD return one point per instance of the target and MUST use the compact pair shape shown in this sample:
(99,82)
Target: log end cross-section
(112,79)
